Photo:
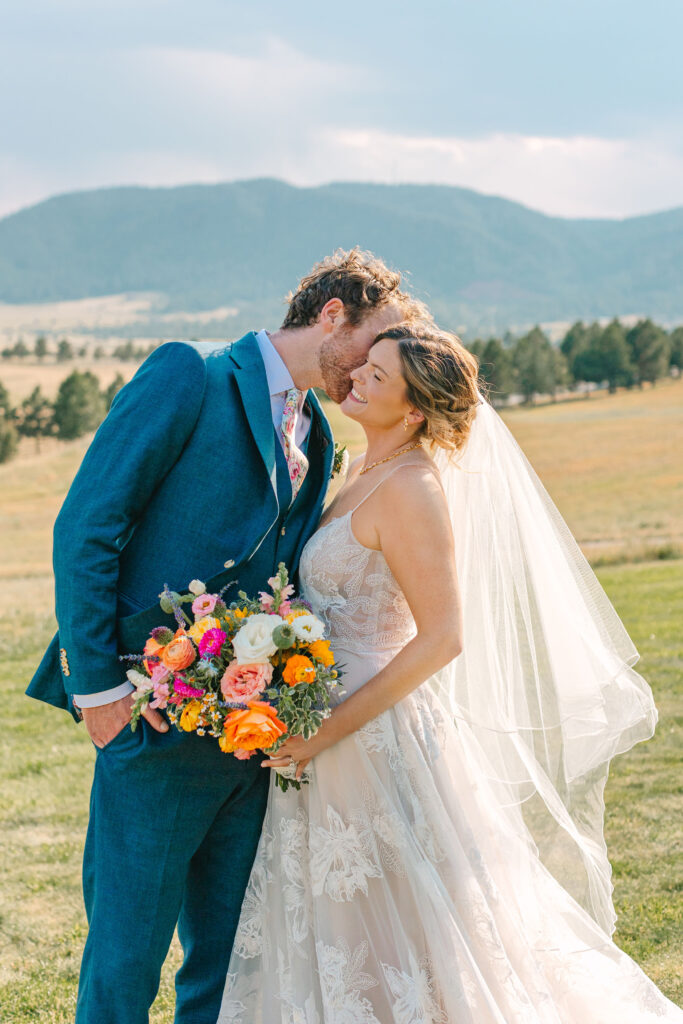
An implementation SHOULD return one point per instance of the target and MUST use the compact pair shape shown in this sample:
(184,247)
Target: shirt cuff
(96,700)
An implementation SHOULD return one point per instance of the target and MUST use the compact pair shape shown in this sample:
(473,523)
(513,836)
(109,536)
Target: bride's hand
(296,748)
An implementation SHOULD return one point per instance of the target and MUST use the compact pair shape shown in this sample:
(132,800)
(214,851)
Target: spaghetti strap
(386,476)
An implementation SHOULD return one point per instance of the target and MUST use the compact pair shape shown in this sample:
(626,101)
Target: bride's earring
(405,423)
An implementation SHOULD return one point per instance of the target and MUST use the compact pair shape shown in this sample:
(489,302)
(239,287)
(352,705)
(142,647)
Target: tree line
(66,351)
(614,356)
(529,366)
(80,407)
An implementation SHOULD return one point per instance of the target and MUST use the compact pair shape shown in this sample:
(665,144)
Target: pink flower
(287,592)
(211,643)
(160,696)
(242,683)
(266,601)
(284,609)
(183,690)
(243,755)
(159,674)
(204,604)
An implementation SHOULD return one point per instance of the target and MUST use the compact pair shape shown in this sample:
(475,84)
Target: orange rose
(299,669)
(320,649)
(152,647)
(256,727)
(179,653)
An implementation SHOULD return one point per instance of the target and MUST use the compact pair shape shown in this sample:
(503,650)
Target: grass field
(20,377)
(610,463)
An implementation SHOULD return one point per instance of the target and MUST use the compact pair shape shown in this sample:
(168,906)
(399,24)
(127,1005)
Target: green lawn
(613,466)
(46,765)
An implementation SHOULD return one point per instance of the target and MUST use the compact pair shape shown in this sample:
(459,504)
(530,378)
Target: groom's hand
(107,721)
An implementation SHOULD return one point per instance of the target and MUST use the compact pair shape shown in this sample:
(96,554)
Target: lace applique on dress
(342,981)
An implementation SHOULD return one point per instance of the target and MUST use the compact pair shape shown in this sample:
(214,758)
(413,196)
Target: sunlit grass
(610,467)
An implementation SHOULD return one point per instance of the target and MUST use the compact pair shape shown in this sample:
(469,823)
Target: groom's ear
(332,314)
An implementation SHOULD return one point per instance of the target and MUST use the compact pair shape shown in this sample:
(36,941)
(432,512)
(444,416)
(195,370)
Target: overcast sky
(573,107)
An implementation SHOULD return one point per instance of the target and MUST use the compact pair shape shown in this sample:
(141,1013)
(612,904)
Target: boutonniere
(340,463)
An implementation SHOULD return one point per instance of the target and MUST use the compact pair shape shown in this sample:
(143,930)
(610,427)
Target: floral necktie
(297,463)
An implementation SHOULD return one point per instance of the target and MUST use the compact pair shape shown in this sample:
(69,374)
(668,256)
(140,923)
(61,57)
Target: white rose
(253,643)
(197,588)
(308,628)
(142,683)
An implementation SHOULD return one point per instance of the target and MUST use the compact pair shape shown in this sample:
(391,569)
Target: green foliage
(36,417)
(496,368)
(18,351)
(113,389)
(650,350)
(605,355)
(9,438)
(5,403)
(537,365)
(40,347)
(530,365)
(65,351)
(676,342)
(130,353)
(79,406)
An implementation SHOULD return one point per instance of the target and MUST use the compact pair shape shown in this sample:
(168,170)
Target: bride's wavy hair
(442,381)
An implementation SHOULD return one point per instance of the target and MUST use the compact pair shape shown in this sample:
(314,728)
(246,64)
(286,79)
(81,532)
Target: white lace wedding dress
(394,889)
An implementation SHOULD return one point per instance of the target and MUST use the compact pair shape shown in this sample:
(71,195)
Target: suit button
(282,532)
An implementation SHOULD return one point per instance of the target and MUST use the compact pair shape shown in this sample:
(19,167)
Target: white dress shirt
(279,383)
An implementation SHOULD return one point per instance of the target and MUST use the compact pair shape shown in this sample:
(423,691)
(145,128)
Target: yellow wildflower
(197,631)
(188,719)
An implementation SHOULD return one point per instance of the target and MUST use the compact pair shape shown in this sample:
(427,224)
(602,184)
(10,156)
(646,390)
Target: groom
(212,463)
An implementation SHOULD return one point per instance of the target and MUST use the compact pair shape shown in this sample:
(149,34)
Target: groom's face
(346,348)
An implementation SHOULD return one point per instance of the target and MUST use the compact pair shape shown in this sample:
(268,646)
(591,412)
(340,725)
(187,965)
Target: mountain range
(482,263)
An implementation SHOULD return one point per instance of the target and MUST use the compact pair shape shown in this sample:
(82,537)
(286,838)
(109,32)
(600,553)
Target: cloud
(568,177)
(577,176)
(167,115)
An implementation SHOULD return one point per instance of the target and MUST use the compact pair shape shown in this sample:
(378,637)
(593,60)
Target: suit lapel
(250,376)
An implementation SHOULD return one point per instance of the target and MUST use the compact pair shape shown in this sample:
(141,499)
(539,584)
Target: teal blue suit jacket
(179,480)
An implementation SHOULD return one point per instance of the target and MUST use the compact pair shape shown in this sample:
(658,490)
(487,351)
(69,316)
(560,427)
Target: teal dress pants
(174,826)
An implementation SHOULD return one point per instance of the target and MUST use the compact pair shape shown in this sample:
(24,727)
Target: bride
(446,863)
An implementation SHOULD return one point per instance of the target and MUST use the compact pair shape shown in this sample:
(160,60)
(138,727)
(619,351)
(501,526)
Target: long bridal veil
(545,690)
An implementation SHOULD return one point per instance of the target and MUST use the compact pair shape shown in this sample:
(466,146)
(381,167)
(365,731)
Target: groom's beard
(336,363)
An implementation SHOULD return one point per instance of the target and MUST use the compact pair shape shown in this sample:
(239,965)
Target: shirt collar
(278,376)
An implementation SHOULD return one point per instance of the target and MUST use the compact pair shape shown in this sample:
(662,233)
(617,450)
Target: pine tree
(606,357)
(498,370)
(9,438)
(79,407)
(535,363)
(112,390)
(650,351)
(64,351)
(36,417)
(676,342)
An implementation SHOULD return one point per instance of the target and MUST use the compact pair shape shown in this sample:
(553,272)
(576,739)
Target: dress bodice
(352,589)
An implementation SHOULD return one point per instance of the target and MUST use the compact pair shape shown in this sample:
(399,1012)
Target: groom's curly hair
(363,283)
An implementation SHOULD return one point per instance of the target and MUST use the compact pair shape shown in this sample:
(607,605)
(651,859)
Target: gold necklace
(401,451)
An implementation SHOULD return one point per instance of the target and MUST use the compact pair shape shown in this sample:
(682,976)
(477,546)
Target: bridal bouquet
(250,673)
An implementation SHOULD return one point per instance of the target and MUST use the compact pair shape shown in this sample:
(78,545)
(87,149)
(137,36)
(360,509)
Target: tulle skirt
(395,889)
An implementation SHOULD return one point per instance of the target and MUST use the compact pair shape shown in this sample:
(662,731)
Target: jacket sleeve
(149,423)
